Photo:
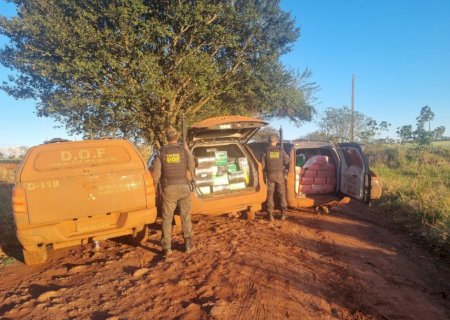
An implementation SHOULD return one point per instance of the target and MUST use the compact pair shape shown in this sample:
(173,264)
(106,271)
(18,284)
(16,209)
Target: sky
(399,52)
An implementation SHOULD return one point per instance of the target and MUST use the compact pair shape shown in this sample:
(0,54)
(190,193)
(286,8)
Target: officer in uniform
(274,162)
(170,168)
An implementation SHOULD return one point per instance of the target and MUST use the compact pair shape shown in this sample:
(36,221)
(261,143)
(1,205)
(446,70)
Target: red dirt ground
(351,264)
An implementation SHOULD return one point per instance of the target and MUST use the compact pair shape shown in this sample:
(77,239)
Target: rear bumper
(317,200)
(68,233)
(251,200)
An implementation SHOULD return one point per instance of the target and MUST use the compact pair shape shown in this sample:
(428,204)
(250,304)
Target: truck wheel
(141,236)
(32,257)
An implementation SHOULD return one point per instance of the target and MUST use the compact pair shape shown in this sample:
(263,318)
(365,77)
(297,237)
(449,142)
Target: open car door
(355,177)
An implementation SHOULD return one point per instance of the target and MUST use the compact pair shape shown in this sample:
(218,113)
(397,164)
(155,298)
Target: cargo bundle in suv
(67,193)
(228,178)
(322,174)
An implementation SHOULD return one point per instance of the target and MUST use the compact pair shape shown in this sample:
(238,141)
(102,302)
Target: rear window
(352,157)
(74,158)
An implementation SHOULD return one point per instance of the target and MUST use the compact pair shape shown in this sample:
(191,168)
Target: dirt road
(347,265)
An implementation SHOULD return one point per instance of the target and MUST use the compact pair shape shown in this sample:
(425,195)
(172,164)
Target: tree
(317,135)
(372,130)
(263,134)
(421,136)
(131,68)
(426,115)
(405,133)
(335,123)
(438,132)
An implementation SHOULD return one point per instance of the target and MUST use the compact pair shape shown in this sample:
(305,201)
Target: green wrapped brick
(232,167)
(221,158)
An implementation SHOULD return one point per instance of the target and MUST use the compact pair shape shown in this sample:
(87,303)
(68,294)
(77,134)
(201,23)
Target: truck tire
(33,257)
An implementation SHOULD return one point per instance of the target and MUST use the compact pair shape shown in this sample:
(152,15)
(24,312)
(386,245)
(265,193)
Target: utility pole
(352,125)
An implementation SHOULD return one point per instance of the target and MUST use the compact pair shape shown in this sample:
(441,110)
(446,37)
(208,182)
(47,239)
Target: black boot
(270,216)
(188,246)
(283,214)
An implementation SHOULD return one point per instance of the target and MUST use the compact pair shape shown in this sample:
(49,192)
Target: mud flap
(33,257)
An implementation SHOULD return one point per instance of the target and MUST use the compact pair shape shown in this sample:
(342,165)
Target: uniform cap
(273,138)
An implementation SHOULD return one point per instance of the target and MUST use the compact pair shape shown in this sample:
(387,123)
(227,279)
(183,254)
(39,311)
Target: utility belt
(177,182)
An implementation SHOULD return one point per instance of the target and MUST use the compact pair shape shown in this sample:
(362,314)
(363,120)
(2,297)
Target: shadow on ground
(8,240)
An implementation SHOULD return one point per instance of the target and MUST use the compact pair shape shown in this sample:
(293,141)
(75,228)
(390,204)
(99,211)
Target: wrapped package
(205,190)
(237,186)
(236,177)
(205,161)
(203,182)
(232,167)
(221,158)
(220,180)
(306,181)
(313,167)
(305,189)
(203,170)
(320,180)
(317,188)
(316,160)
(221,188)
(325,174)
(309,174)
(245,168)
(221,170)
(203,176)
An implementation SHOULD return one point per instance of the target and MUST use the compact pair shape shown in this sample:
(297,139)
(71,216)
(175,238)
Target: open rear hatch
(355,179)
(225,128)
(223,163)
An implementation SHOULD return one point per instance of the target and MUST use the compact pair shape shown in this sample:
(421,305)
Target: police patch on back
(274,154)
(173,158)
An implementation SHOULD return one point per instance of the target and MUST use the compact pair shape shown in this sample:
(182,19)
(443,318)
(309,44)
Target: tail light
(20,209)
(19,200)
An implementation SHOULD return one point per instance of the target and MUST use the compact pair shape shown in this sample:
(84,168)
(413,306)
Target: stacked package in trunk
(218,173)
(318,175)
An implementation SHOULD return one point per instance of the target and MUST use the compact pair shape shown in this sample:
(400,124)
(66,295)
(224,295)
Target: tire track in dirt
(309,267)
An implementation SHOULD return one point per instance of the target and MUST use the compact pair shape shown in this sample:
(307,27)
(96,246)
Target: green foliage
(8,243)
(372,130)
(315,136)
(420,135)
(335,125)
(263,134)
(416,187)
(405,133)
(131,68)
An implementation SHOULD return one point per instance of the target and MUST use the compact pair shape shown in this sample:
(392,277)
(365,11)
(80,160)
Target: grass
(9,246)
(416,188)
